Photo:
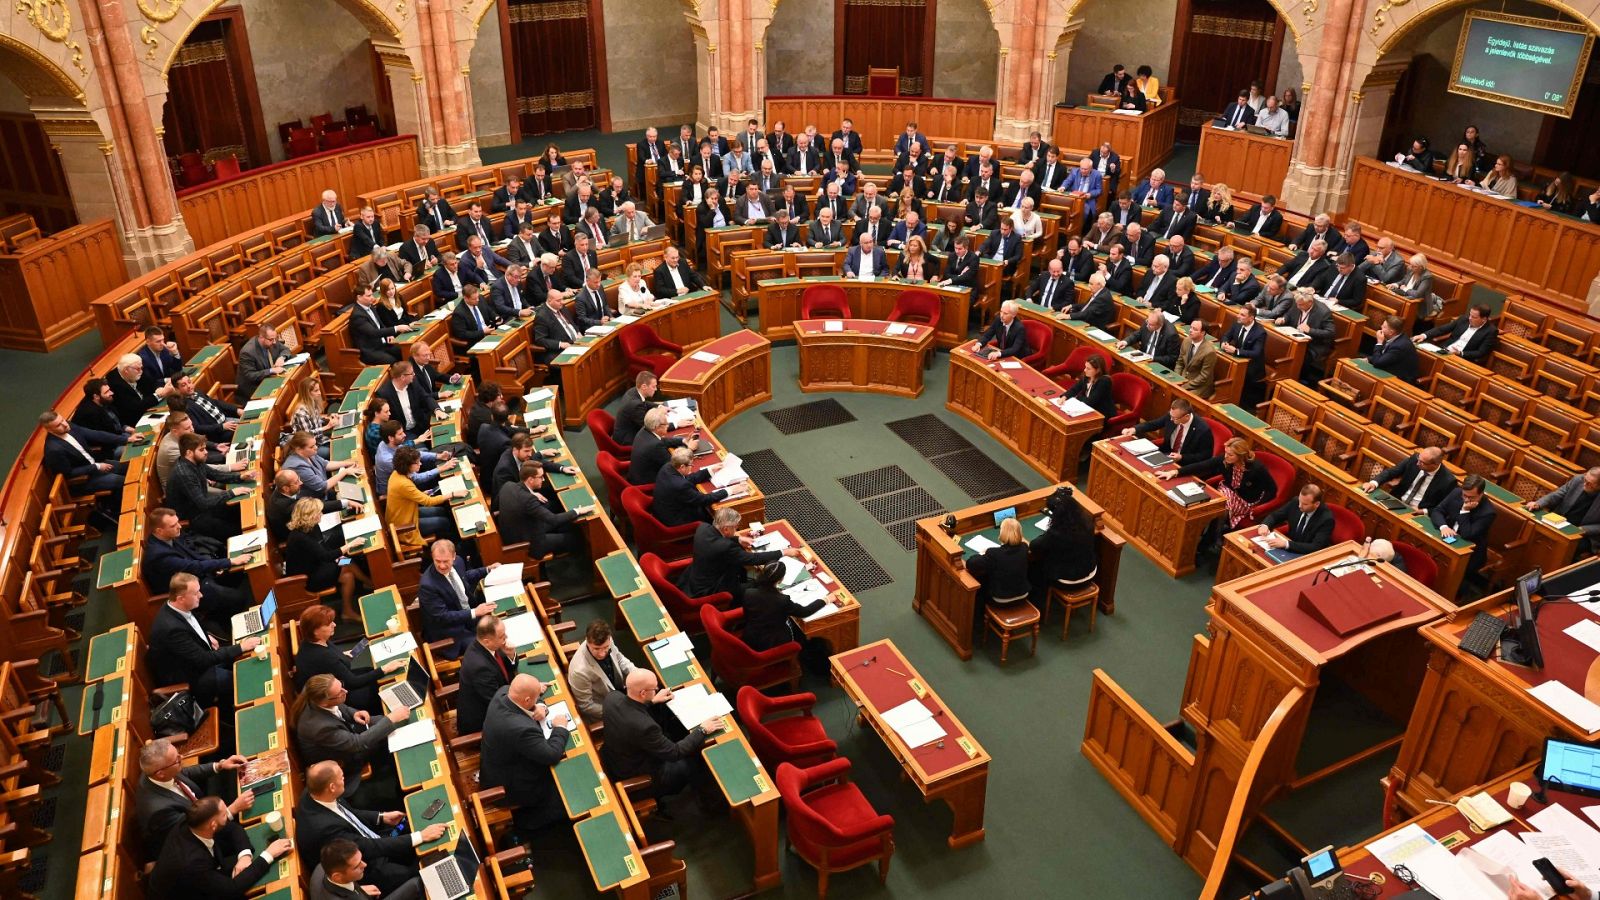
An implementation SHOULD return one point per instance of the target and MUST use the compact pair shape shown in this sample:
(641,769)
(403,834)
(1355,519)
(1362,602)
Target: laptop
(617,240)
(654,233)
(344,420)
(1000,515)
(408,693)
(254,620)
(454,875)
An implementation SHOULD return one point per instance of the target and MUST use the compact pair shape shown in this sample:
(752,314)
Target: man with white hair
(167,788)
(1099,309)
(328,218)
(1005,336)
(130,397)
(1310,267)
(1383,550)
(1154,192)
(1321,228)
(866,261)
(1139,244)
(1159,288)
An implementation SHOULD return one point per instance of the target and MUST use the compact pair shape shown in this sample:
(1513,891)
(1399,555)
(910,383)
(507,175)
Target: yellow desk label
(600,793)
(433,766)
(966,747)
(917,688)
(693,672)
(666,623)
(272,741)
(577,738)
(122,662)
(761,782)
(633,867)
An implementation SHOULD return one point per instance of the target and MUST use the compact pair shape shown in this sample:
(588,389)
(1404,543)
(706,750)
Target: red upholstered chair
(226,167)
(831,825)
(286,130)
(600,424)
(1070,369)
(1130,392)
(192,170)
(363,133)
(736,664)
(335,139)
(302,145)
(320,123)
(1220,435)
(683,608)
(649,535)
(824,301)
(883,82)
(1419,565)
(799,740)
(1282,472)
(615,473)
(647,351)
(918,307)
(1346,525)
(1039,337)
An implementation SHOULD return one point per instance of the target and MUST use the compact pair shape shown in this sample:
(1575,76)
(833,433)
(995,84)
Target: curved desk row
(1017,406)
(725,377)
(780,304)
(862,355)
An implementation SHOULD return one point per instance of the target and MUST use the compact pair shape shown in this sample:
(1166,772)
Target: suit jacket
(1010,249)
(500,300)
(94,417)
(443,616)
(189,491)
(809,161)
(554,241)
(572,268)
(316,825)
(1270,230)
(466,228)
(321,735)
(1163,194)
(650,453)
(517,756)
(370,335)
(1317,277)
(630,416)
(1141,252)
(1013,194)
(419,257)
(548,332)
(423,405)
(444,288)
(900,233)
(1098,310)
(782,235)
(1320,320)
(255,363)
(464,326)
(482,675)
(207,424)
(572,211)
(780,144)
(1388,270)
(537,190)
(1404,475)
(61,459)
(364,237)
(1316,532)
(1471,526)
(1216,275)
(944,191)
(159,368)
(524,515)
(1097,395)
(1252,347)
(879,231)
(1331,237)
(766,617)
(635,744)
(177,654)
(677,501)
(1195,198)
(1162,293)
(164,559)
(160,810)
(852,263)
(494,265)
(1481,345)
(1170,222)
(1238,293)
(589,681)
(661,284)
(320,888)
(852,141)
(1011,340)
(1197,366)
(588,308)
(323,224)
(1349,291)
(1397,356)
(437,217)
(186,868)
(1197,441)
(397,270)
(1113,173)
(718,563)
(1062,296)
(1269,307)
(964,271)
(1558,499)
(525,254)
(1119,277)
(511,224)
(710,165)
(1167,341)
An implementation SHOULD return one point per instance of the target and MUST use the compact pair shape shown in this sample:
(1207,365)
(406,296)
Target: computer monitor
(1570,766)
(1520,645)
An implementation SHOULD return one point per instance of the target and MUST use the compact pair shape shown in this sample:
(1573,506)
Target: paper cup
(1518,795)
(393,623)
(262,650)
(274,821)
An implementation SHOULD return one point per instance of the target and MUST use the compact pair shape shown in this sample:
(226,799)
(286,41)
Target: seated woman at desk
(1245,480)
(1417,282)
(310,551)
(1002,571)
(634,294)
(1219,209)
(769,618)
(376,413)
(1499,179)
(318,656)
(1133,98)
(1459,167)
(1149,85)
(915,264)
(311,415)
(944,240)
(1185,302)
(1064,556)
(391,309)
(1559,195)
(1094,387)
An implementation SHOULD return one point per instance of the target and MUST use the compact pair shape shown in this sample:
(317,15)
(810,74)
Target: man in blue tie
(1085,183)
(321,816)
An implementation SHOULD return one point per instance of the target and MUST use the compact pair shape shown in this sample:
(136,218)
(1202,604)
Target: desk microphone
(869,660)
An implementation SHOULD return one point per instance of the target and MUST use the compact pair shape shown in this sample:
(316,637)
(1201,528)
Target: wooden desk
(740,378)
(1136,503)
(841,630)
(1247,163)
(954,769)
(1143,141)
(46,286)
(947,594)
(862,356)
(1508,246)
(1037,430)
(1254,680)
(780,305)
(752,506)
(881,120)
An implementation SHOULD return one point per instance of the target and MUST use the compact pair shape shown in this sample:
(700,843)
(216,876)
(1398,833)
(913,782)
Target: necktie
(1413,497)
(1150,346)
(500,661)
(184,788)
(516,296)
(350,817)
(1301,528)
(1337,282)
(1189,357)
(478,318)
(460,589)
(1151,292)
(1049,291)
(1177,437)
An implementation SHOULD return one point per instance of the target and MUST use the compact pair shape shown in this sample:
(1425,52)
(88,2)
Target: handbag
(179,713)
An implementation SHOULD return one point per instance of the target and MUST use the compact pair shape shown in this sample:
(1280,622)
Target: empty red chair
(798,739)
(335,139)
(649,535)
(1039,337)
(302,145)
(1220,435)
(683,608)
(363,133)
(615,473)
(647,351)
(356,114)
(600,424)
(1071,368)
(286,130)
(1130,391)
(1419,565)
(824,301)
(320,123)
(738,665)
(831,825)
(1346,525)
(1282,472)
(227,167)
(192,170)
(918,307)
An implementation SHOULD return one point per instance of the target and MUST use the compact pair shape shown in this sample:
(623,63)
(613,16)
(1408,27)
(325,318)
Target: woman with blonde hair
(634,294)
(907,201)
(914,264)
(310,552)
(1559,195)
(311,414)
(1002,571)
(1025,222)
(1245,480)
(1459,167)
(1219,209)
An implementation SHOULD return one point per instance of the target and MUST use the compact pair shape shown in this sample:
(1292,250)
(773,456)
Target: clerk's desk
(1136,502)
(739,378)
(947,594)
(1255,678)
(1474,719)
(1249,163)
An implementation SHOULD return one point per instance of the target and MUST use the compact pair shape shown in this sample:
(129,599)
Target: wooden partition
(1143,141)
(880,120)
(1248,163)
(216,211)
(46,286)
(1505,245)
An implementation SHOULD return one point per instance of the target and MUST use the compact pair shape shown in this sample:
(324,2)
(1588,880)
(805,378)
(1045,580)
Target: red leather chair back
(1419,565)
(646,351)
(736,663)
(1039,337)
(1282,476)
(918,307)
(824,301)
(1220,435)
(1346,525)
(600,424)
(615,473)
(1130,391)
(684,609)
(649,535)
(227,167)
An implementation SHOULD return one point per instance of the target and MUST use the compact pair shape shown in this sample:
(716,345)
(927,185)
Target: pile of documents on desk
(1483,870)
(914,723)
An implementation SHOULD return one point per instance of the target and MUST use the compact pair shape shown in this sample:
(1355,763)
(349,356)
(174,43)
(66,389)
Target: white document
(505,572)
(1431,348)
(1569,703)
(600,329)
(1135,355)
(1504,848)
(329,521)
(914,724)
(538,396)
(472,517)
(393,647)
(730,472)
(1445,875)
(1585,632)
(1074,407)
(150,420)
(1557,819)
(419,732)
(772,540)
(559,708)
(1099,335)
(452,484)
(703,356)
(262,403)
(1402,845)
(523,630)
(1139,446)
(1559,849)
(678,418)
(540,414)
(1011,364)
(248,542)
(1042,525)
(827,609)
(1291,333)
(625,320)
(807,591)
(573,352)
(361,527)
(669,654)
(833,325)
(793,571)
(297,359)
(694,704)
(494,593)
(678,403)
(898,328)
(978,543)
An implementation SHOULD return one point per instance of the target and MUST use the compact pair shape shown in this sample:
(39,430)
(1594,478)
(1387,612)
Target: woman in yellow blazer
(409,506)
(1149,85)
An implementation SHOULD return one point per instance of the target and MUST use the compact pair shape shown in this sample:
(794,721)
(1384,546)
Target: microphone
(869,660)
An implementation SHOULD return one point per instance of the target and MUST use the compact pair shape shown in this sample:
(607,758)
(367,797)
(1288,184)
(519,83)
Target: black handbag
(179,713)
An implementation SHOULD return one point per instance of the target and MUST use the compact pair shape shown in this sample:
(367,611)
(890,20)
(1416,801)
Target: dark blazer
(852,143)
(635,744)
(809,161)
(782,236)
(1317,277)
(159,368)
(466,228)
(661,282)
(766,617)
(517,756)
(964,271)
(418,258)
(1061,297)
(1252,348)
(1167,341)
(1141,252)
(204,422)
(718,564)
(589,307)
(553,241)
(444,289)
(1331,237)
(1270,230)
(1315,535)
(1142,192)
(188,491)
(630,416)
(523,515)
(370,333)
(1197,440)
(1349,292)
(1320,320)
(314,555)
(1481,345)
(482,675)
(1002,570)
(160,810)
(1012,340)
(322,225)
(324,659)
(548,334)
(442,614)
(1397,356)
(649,454)
(437,217)
(1165,289)
(880,262)
(677,500)
(320,735)
(572,268)
(315,826)
(1012,250)
(464,326)
(1119,276)
(985,216)
(177,655)
(1213,268)
(1238,293)
(1406,472)
(62,458)
(1113,173)
(423,405)
(1170,223)
(186,868)
(1099,310)
(163,559)
(1255,487)
(1472,526)
(1097,395)
(1558,499)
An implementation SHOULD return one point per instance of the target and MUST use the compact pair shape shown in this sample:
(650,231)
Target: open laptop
(254,620)
(344,420)
(654,233)
(617,240)
(1000,515)
(454,875)
(408,693)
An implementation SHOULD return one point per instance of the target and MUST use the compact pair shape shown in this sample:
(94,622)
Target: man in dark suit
(451,277)
(321,815)
(328,218)
(329,729)
(720,557)
(200,858)
(1247,339)
(1158,339)
(677,500)
(1005,337)
(1466,514)
(434,211)
(371,335)
(483,261)
(1309,317)
(366,232)
(1115,80)
(519,215)
(1575,502)
(847,133)
(1051,173)
(72,451)
(1159,288)
(803,159)
(168,551)
(674,279)
(161,362)
(1394,352)
(1219,271)
(1345,287)
(1004,245)
(509,297)
(1195,197)
(1242,287)
(652,449)
(421,251)
(181,652)
(1153,191)
(783,232)
(216,419)
(260,358)
(1320,229)
(416,415)
(523,514)
(649,150)
(194,491)
(1175,220)
(576,264)
(1310,523)
(963,268)
(1239,113)
(1119,271)
(167,788)
(1106,161)
(589,305)
(1310,268)
(506,196)
(1138,244)
(1419,481)
(1052,287)
(340,872)
(522,742)
(448,595)
(553,330)
(1472,336)
(525,249)
(1183,261)
(1185,436)
(578,204)
(1098,309)
(471,319)
(635,744)
(485,669)
(555,238)
(1263,219)
(635,403)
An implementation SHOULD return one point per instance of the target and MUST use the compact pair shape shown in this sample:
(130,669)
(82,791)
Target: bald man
(635,744)
(522,740)
(1420,481)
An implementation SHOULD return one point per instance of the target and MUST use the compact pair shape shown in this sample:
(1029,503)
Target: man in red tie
(167,788)
(485,669)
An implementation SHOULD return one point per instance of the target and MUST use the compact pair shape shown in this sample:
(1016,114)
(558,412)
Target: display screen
(1533,64)
(1321,865)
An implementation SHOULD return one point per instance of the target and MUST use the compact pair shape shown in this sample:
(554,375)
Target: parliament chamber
(563,449)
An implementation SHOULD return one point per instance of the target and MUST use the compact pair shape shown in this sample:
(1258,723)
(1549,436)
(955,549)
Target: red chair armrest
(776,654)
(804,700)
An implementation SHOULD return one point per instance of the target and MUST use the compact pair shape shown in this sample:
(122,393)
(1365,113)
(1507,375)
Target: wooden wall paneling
(45,288)
(881,120)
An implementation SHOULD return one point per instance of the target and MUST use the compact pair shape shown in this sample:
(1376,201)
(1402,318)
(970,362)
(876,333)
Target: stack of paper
(772,540)
(978,543)
(703,356)
(672,650)
(452,484)
(625,320)
(914,723)
(600,329)
(1074,407)
(833,325)
(494,593)
(523,630)
(807,591)
(678,417)
(395,647)
(1099,335)
(247,542)
(1139,446)
(361,527)
(694,704)
(1043,524)
(555,711)
(257,405)
(730,472)
(794,572)
(297,359)
(1568,702)
(540,414)
(539,396)
(419,732)
(503,573)
(1430,347)
(472,517)
(900,328)
(329,521)
(573,352)
(1011,364)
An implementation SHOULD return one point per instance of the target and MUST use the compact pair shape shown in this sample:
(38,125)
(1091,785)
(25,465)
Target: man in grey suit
(522,741)
(339,873)
(1311,318)
(1383,265)
(1576,502)
(260,358)
(327,729)
(753,206)
(167,788)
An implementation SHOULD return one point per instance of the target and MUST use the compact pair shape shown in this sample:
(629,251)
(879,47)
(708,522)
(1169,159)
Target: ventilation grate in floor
(809,416)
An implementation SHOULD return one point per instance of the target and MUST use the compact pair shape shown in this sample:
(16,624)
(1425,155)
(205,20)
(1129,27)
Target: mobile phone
(344,560)
(1554,878)
(1450,540)
(433,808)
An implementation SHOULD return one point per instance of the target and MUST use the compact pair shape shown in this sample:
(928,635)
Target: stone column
(1367,113)
(413,114)
(87,163)
(1029,80)
(1053,84)
(1319,176)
